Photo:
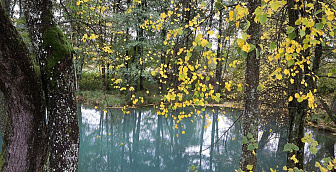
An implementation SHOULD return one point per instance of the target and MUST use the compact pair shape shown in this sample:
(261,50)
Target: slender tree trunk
(251,97)
(219,61)
(297,110)
(57,72)
(24,137)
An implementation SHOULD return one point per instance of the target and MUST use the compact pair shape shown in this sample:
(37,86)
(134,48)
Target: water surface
(142,141)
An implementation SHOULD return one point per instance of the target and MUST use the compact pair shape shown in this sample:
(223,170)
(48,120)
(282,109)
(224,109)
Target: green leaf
(298,21)
(244,54)
(289,147)
(333,70)
(252,47)
(209,45)
(188,56)
(290,62)
(248,24)
(319,26)
(180,31)
(250,147)
(292,35)
(217,98)
(249,135)
(329,74)
(302,32)
(272,45)
(218,5)
(255,145)
(263,18)
(244,140)
(259,88)
(313,150)
(192,167)
(244,36)
(290,29)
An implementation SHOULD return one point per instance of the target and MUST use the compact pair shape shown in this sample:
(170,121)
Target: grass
(101,98)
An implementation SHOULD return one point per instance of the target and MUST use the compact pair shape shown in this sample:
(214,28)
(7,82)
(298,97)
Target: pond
(143,141)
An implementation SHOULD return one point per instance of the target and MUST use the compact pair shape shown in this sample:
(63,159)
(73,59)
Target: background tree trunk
(24,140)
(297,110)
(251,97)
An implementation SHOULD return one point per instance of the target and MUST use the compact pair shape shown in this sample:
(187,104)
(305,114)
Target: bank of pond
(143,141)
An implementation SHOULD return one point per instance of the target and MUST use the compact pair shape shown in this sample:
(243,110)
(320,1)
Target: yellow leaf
(231,15)
(294,159)
(79,2)
(246,48)
(240,42)
(279,76)
(93,36)
(228,86)
(85,36)
(163,15)
(204,42)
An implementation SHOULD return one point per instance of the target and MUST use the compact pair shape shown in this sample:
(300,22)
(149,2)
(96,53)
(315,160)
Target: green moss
(57,45)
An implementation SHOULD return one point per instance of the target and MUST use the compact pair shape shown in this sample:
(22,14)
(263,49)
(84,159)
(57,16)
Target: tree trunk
(251,97)
(297,110)
(219,64)
(57,72)
(24,140)
(6,5)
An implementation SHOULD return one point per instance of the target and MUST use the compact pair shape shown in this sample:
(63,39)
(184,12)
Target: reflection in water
(144,141)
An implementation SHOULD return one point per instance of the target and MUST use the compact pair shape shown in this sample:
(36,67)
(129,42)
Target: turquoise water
(142,141)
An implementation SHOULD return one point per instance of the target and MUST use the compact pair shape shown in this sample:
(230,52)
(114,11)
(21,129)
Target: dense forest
(274,59)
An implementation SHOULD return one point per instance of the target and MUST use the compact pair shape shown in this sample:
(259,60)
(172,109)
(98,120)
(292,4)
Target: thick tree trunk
(57,72)
(6,5)
(251,97)
(24,140)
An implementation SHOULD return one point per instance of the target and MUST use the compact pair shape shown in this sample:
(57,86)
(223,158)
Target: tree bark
(24,140)
(54,53)
(251,97)
(297,110)
(219,60)
(6,5)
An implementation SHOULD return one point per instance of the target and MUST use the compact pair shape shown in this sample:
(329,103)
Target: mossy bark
(57,73)
(24,135)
